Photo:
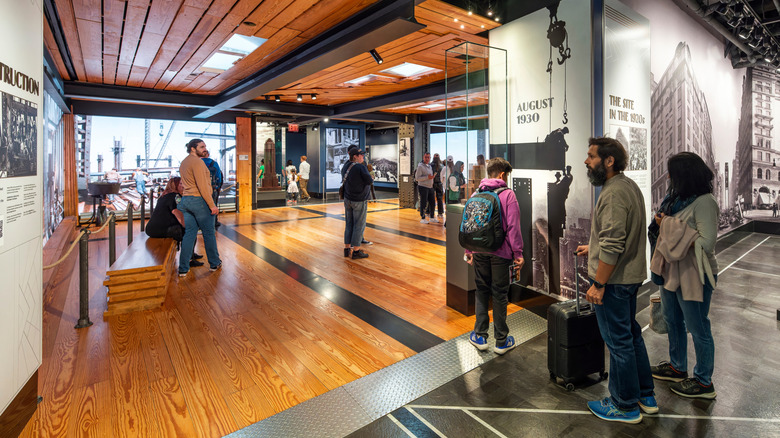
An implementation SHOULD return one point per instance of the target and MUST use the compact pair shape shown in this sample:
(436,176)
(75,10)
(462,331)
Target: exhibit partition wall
(549,83)
(21,201)
(626,92)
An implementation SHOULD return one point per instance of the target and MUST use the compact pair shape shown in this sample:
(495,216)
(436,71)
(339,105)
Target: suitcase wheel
(552,376)
(603,375)
(570,387)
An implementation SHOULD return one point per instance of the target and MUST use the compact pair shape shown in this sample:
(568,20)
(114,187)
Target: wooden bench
(139,278)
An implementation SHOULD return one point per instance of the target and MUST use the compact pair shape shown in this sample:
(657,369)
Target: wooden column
(69,163)
(244,179)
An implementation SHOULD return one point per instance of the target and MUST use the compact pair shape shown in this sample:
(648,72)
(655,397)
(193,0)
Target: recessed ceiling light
(249,23)
(456,20)
(325,119)
(462,26)
(482,26)
(408,69)
(496,18)
(471,13)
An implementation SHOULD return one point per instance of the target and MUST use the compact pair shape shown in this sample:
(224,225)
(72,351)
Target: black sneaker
(665,371)
(194,263)
(359,254)
(366,242)
(216,268)
(197,256)
(347,252)
(694,389)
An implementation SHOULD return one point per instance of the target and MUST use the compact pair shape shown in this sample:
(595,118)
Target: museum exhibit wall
(554,109)
(700,103)
(21,201)
(335,140)
(382,148)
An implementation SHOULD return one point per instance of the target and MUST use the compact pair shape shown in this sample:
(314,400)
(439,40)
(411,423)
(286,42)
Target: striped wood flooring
(286,319)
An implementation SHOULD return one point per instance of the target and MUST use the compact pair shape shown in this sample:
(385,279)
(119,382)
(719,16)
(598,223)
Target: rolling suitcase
(574,345)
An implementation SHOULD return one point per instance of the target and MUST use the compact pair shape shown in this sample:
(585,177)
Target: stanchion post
(111,239)
(129,223)
(151,202)
(143,210)
(84,282)
(323,190)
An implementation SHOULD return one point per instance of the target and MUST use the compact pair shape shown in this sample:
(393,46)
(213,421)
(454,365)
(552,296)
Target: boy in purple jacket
(492,269)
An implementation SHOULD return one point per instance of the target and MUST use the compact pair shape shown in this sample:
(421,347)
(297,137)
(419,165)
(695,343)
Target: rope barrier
(73,245)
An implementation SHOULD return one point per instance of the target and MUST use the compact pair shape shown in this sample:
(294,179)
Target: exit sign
(292,127)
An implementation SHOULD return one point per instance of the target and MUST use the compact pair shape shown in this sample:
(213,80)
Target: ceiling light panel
(407,69)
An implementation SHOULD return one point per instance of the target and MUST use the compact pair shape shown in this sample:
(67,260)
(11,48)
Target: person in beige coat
(685,257)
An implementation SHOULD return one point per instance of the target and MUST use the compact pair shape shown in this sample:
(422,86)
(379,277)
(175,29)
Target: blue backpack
(481,229)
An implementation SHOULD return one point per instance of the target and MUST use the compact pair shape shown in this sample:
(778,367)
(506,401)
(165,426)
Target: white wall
(21,31)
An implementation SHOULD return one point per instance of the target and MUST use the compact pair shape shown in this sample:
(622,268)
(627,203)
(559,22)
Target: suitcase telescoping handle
(577,285)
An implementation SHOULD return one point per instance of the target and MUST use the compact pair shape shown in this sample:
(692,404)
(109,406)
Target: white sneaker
(434,220)
(423,221)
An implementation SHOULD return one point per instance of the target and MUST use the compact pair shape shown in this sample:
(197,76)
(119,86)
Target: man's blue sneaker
(606,410)
(648,405)
(507,345)
(478,341)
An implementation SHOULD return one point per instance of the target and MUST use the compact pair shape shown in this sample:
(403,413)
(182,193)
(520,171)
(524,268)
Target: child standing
(292,187)
(492,268)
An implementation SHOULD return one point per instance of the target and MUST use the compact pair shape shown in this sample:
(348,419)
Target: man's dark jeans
(629,366)
(427,201)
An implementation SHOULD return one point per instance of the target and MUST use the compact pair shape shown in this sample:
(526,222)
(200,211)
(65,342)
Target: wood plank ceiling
(161,44)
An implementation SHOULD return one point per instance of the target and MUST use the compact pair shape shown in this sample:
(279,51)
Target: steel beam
(435,91)
(117,109)
(115,93)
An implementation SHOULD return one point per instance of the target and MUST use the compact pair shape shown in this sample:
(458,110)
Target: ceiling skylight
(408,69)
(242,45)
(237,47)
(433,106)
(220,61)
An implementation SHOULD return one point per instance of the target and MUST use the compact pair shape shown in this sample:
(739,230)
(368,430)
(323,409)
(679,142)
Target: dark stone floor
(512,395)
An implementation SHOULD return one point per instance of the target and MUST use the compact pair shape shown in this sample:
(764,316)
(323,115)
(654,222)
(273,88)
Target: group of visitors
(297,181)
(682,235)
(189,205)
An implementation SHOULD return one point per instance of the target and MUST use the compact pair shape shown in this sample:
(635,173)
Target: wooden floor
(233,347)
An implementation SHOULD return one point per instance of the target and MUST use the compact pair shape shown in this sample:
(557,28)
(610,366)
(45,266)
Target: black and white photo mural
(18,137)
(702,104)
(337,143)
(384,159)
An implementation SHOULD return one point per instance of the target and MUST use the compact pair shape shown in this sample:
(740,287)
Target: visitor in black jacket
(357,189)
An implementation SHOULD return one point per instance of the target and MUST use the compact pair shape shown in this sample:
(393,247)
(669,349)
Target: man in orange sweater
(197,206)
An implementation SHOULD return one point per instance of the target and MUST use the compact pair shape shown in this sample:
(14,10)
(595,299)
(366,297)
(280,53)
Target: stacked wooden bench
(139,278)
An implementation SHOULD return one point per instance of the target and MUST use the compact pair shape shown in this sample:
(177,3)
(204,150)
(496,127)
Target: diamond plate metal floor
(346,409)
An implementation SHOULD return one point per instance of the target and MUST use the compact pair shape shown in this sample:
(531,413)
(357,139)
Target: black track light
(299,98)
(376,56)
(278,98)
(313,97)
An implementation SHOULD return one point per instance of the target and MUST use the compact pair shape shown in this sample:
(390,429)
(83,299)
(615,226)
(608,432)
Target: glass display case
(477,114)
(476,121)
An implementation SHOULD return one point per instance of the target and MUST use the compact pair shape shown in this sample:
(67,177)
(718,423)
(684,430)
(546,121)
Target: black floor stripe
(385,229)
(404,332)
(413,424)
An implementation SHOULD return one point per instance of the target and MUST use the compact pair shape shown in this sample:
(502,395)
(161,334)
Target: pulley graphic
(559,39)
